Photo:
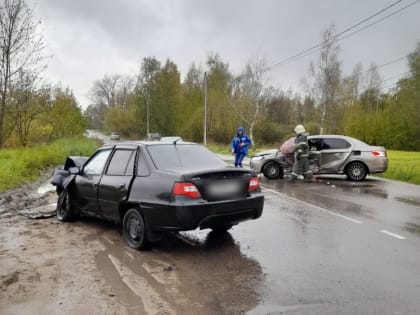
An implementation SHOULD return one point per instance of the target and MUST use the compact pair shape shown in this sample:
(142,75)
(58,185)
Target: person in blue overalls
(239,146)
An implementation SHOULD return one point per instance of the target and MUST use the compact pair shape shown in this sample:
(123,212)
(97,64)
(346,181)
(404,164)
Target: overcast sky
(91,38)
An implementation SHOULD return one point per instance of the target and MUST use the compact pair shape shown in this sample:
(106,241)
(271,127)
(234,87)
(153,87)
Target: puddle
(408,201)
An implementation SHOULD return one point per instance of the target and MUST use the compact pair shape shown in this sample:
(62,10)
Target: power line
(319,46)
(377,67)
(389,86)
(396,76)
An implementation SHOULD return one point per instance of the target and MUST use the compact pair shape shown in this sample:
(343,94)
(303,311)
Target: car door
(115,183)
(334,153)
(87,182)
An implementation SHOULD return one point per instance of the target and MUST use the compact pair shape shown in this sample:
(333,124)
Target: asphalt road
(328,247)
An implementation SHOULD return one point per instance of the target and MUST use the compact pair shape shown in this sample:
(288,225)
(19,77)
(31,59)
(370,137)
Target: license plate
(219,189)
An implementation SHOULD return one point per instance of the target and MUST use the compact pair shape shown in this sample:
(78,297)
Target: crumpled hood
(268,152)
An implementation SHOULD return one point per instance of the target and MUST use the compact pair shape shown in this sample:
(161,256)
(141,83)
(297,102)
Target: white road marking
(129,255)
(153,302)
(106,238)
(186,240)
(314,206)
(393,235)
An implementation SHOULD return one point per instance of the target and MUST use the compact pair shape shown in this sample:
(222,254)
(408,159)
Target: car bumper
(183,216)
(256,164)
(378,166)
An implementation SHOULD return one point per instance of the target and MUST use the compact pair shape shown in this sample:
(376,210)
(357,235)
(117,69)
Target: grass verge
(403,166)
(225,149)
(20,166)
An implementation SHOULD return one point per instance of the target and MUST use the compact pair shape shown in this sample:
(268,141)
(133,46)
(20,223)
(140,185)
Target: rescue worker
(301,153)
(239,146)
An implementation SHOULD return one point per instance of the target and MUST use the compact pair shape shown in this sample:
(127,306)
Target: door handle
(95,186)
(121,187)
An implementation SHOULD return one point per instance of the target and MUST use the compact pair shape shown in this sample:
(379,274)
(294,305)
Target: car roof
(131,144)
(349,139)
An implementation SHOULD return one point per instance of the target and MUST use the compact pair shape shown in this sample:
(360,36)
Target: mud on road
(84,267)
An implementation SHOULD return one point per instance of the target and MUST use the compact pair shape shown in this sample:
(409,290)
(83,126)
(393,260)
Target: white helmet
(299,129)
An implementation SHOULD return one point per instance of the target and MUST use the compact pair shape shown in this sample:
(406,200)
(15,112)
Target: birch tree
(20,48)
(250,93)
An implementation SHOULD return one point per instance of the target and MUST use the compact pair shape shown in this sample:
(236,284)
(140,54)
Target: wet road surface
(329,247)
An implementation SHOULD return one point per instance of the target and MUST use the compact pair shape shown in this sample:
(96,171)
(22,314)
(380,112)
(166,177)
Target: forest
(158,99)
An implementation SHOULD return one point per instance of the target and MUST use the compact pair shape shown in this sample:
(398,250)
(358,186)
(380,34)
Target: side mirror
(74,170)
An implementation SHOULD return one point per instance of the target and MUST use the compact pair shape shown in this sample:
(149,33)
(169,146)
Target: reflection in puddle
(412,227)
(193,272)
(409,201)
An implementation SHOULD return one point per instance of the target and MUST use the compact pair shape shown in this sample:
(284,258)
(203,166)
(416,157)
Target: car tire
(134,229)
(65,207)
(222,228)
(356,171)
(272,170)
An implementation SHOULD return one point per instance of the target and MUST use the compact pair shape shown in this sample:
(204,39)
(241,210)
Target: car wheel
(356,171)
(65,207)
(222,228)
(134,229)
(273,170)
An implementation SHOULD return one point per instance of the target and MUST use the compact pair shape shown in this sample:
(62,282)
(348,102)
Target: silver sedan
(329,154)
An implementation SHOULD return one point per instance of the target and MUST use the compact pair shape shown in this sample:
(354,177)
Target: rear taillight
(254,184)
(379,153)
(186,189)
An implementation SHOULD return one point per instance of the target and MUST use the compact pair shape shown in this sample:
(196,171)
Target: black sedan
(153,187)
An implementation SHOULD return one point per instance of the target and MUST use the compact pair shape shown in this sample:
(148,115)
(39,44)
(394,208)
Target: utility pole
(147,118)
(205,110)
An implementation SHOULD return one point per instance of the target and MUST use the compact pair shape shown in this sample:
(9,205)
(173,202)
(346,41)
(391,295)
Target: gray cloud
(91,38)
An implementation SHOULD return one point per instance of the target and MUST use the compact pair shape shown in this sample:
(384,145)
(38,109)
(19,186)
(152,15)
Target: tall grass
(19,166)
(404,166)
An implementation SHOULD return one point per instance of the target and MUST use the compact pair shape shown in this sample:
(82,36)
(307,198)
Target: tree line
(156,99)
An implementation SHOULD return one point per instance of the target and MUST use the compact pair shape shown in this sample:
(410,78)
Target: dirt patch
(46,267)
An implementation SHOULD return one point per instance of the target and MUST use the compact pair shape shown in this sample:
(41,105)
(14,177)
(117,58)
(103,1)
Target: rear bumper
(189,215)
(378,165)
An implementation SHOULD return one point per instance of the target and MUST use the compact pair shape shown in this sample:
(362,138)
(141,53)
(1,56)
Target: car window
(142,168)
(171,156)
(315,144)
(96,165)
(334,144)
(122,163)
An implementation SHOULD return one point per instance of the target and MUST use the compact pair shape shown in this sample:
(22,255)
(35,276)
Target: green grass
(23,165)
(403,166)
(225,149)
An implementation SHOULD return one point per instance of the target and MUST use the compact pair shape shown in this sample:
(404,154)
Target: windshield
(169,156)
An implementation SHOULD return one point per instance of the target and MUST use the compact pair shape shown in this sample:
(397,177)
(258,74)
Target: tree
(146,83)
(250,94)
(327,79)
(64,115)
(104,91)
(28,104)
(20,47)
(221,122)
(192,101)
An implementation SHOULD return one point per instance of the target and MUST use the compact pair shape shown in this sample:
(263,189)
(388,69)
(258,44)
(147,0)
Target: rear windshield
(170,156)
